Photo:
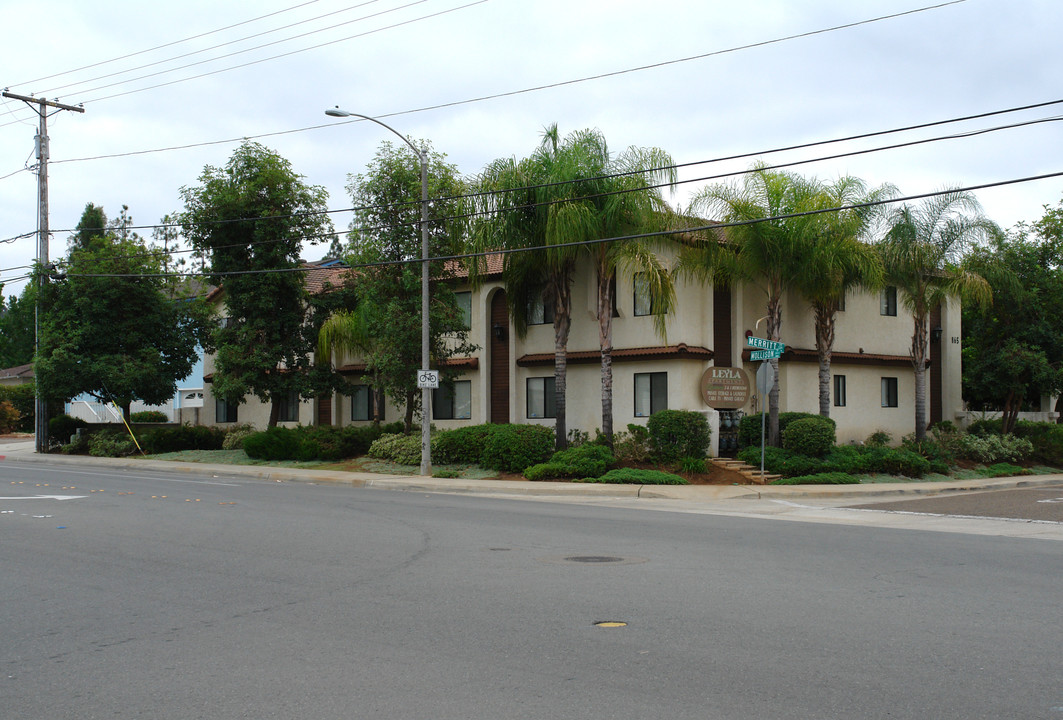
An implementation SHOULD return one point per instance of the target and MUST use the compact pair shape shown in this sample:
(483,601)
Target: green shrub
(149,416)
(879,438)
(401,449)
(583,461)
(692,465)
(183,437)
(851,459)
(512,448)
(779,461)
(823,478)
(633,445)
(812,436)
(678,433)
(1047,439)
(1005,470)
(110,444)
(62,427)
(990,449)
(445,473)
(635,476)
(275,443)
(9,417)
(898,461)
(234,436)
(939,450)
(749,426)
(460,445)
(986,426)
(80,446)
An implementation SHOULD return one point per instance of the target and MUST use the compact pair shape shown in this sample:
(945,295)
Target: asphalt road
(156,595)
(1040,504)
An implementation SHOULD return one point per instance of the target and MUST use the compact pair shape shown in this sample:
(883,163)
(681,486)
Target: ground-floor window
(651,393)
(224,412)
(360,402)
(889,392)
(839,391)
(288,407)
(452,401)
(541,397)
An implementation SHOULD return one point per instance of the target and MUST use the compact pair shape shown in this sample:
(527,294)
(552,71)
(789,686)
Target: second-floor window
(541,311)
(888,304)
(464,300)
(645,302)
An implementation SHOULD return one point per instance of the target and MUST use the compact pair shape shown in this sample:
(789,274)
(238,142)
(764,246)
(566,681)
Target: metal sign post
(765,379)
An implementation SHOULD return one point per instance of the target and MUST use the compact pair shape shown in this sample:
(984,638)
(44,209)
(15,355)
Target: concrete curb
(23,452)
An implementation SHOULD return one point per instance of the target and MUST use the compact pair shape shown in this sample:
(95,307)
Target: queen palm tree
(764,243)
(533,210)
(923,253)
(836,260)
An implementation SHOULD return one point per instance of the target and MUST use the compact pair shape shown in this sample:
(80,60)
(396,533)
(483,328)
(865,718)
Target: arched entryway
(498,343)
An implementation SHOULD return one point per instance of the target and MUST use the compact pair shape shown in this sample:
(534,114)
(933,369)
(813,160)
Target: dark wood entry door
(499,349)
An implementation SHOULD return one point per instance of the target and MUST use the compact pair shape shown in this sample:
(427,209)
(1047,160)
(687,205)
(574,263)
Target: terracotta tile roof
(492,266)
(682,351)
(317,279)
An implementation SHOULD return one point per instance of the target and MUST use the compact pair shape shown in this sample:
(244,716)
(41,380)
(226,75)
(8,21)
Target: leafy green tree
(767,245)
(112,330)
(923,253)
(1013,349)
(835,260)
(248,221)
(383,323)
(92,226)
(17,327)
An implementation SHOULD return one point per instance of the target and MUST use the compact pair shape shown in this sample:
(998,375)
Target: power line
(215,47)
(565,82)
(713,227)
(166,45)
(719,176)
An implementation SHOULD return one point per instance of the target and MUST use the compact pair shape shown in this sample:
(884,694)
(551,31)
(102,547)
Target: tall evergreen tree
(248,221)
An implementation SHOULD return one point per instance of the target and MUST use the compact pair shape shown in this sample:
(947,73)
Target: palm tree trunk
(919,348)
(824,348)
(562,325)
(774,324)
(605,340)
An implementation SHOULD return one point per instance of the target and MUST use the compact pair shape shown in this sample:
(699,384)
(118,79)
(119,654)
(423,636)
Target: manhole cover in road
(610,624)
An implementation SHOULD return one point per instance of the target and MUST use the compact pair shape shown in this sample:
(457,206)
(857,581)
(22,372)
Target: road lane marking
(45,497)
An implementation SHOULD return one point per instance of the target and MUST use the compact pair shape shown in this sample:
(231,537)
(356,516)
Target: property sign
(724,388)
(428,379)
(764,355)
(762,344)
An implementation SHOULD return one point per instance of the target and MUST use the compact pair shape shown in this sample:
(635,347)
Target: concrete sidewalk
(24,452)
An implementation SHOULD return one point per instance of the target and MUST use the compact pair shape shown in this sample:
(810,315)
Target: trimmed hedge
(182,437)
(850,459)
(676,434)
(749,426)
(401,449)
(462,445)
(62,427)
(512,448)
(149,416)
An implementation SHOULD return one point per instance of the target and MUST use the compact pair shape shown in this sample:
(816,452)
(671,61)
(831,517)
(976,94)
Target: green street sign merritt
(764,355)
(761,343)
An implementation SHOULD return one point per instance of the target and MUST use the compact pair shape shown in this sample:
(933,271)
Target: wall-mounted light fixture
(499,332)
(935,334)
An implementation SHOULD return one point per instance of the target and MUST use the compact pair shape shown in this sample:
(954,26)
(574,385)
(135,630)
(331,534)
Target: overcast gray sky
(394,58)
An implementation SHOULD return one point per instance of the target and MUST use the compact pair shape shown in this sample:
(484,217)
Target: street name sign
(764,355)
(761,343)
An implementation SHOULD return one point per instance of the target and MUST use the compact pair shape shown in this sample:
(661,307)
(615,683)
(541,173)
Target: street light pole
(426,393)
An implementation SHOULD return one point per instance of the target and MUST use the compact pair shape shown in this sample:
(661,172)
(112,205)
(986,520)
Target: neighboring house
(19,375)
(510,379)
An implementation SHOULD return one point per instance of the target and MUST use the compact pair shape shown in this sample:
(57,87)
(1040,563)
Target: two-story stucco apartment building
(511,379)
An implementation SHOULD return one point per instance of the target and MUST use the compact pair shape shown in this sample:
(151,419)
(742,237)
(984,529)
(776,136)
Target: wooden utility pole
(41,105)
